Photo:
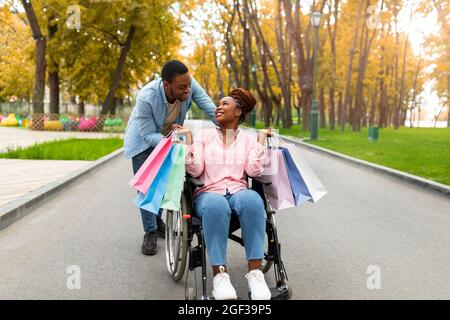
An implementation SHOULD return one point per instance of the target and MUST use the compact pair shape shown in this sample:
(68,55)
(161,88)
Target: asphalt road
(366,219)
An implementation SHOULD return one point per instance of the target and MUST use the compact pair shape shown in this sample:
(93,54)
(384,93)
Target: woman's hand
(263,133)
(183,131)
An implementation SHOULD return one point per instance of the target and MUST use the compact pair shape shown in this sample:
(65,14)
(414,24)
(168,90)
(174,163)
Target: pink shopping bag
(279,192)
(147,172)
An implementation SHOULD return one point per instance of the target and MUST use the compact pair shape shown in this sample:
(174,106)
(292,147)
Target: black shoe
(161,231)
(149,244)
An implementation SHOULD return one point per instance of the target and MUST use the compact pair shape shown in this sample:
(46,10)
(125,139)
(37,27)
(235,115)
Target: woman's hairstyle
(244,100)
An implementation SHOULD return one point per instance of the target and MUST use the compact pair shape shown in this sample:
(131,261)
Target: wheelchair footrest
(195,258)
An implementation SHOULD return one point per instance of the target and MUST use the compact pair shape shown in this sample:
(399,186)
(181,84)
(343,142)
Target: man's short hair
(171,69)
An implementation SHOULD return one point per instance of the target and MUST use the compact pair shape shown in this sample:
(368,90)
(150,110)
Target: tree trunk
(347,97)
(39,75)
(332,112)
(218,74)
(414,95)
(396,96)
(255,25)
(268,107)
(231,61)
(118,72)
(332,36)
(356,112)
(340,113)
(81,107)
(269,94)
(114,107)
(364,58)
(285,79)
(373,107)
(418,112)
(304,76)
(245,67)
(402,81)
(53,75)
(53,84)
(363,117)
(322,119)
(448,102)
(383,73)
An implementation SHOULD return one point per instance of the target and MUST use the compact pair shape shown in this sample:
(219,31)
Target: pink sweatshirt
(220,167)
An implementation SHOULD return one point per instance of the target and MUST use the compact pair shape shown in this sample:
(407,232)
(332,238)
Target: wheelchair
(182,226)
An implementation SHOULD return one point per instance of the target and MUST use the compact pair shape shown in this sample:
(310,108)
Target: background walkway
(18,177)
(14,136)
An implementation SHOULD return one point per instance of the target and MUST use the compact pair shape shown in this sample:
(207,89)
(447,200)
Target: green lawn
(423,152)
(70,149)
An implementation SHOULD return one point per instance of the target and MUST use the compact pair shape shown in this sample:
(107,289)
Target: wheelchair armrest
(196,182)
(258,179)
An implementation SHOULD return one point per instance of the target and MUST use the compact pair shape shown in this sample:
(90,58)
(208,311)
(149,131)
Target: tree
(332,36)
(16,52)
(39,80)
(117,48)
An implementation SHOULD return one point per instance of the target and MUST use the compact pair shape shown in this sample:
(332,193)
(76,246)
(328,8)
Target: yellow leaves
(16,52)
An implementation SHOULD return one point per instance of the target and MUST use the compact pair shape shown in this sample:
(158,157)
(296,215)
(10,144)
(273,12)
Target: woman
(221,157)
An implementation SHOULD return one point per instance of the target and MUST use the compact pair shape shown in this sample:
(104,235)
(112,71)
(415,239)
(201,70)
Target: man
(161,106)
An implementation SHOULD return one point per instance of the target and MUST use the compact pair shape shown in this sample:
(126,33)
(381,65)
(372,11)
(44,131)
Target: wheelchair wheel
(271,228)
(289,290)
(176,240)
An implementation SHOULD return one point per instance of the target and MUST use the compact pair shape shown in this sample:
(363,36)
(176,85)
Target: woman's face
(227,111)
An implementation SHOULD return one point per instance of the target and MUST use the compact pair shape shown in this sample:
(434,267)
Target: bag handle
(274,141)
(173,135)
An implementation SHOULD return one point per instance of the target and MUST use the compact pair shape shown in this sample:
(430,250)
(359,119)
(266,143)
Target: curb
(419,181)
(20,207)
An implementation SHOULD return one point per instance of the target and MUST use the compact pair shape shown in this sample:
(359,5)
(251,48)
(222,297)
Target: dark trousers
(148,218)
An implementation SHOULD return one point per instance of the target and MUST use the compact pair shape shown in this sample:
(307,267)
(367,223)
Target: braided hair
(244,100)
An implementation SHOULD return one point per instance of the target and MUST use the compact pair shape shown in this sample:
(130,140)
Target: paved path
(14,137)
(366,219)
(18,177)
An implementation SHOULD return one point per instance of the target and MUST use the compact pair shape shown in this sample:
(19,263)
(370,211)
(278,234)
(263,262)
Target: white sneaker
(258,286)
(222,288)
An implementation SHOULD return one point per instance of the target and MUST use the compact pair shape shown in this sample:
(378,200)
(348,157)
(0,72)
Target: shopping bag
(270,163)
(147,172)
(309,179)
(298,186)
(279,191)
(151,201)
(174,188)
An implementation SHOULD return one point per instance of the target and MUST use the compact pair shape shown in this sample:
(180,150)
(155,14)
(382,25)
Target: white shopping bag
(310,179)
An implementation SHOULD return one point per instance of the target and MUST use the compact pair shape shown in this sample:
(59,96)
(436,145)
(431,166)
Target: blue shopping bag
(152,200)
(298,185)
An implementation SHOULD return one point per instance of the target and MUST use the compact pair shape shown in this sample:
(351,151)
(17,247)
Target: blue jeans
(148,218)
(215,211)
